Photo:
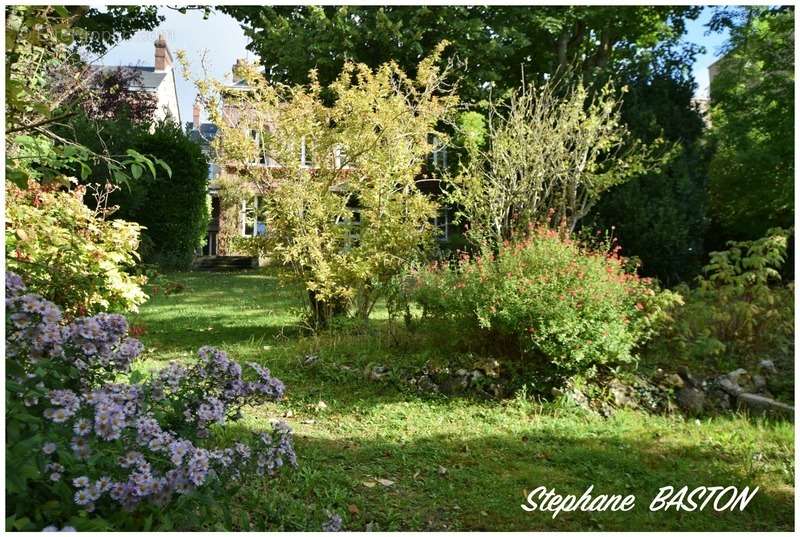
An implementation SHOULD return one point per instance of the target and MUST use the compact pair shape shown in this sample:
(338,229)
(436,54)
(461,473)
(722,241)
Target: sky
(223,41)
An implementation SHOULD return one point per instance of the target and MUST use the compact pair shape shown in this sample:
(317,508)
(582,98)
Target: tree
(667,207)
(98,29)
(113,97)
(342,209)
(47,85)
(492,41)
(752,115)
(548,160)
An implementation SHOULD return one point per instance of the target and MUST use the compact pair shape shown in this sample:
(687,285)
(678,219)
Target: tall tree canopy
(752,171)
(665,207)
(493,41)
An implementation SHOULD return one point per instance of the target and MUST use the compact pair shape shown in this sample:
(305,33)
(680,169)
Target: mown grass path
(449,464)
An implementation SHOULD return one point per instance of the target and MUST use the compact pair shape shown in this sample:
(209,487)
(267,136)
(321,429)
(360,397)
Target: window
(306,153)
(438,156)
(353,221)
(340,158)
(442,223)
(261,151)
(253,221)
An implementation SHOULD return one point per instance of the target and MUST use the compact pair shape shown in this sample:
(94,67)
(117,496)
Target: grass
(453,463)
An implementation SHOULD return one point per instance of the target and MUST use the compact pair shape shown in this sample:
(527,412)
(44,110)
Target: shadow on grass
(445,483)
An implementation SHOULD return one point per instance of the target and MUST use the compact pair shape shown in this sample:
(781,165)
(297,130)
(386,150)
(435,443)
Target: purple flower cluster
(221,381)
(66,405)
(149,463)
(334,523)
(35,332)
(103,339)
(277,448)
(114,406)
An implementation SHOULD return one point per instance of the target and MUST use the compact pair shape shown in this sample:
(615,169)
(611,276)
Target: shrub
(355,219)
(551,298)
(173,208)
(91,451)
(739,309)
(68,254)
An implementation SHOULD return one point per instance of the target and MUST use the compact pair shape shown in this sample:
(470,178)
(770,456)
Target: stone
(453,385)
(673,380)
(475,377)
(759,383)
(758,404)
(426,384)
(691,400)
(742,378)
(622,394)
(378,372)
(491,368)
(461,373)
(687,377)
(767,366)
(718,399)
(729,386)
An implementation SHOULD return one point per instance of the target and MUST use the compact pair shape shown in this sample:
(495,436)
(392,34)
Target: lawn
(448,463)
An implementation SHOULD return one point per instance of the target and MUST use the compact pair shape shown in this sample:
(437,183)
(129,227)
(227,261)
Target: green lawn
(458,463)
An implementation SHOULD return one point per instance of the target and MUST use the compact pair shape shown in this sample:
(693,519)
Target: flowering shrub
(81,441)
(69,255)
(551,298)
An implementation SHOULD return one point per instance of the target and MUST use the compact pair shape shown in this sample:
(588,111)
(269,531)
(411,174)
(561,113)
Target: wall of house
(167,98)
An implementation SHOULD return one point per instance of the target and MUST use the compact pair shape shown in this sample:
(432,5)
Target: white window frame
(243,219)
(442,223)
(438,156)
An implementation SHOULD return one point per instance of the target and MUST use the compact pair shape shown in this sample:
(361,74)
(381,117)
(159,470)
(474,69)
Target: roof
(204,134)
(148,77)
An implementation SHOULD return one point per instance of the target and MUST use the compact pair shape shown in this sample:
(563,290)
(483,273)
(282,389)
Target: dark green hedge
(172,208)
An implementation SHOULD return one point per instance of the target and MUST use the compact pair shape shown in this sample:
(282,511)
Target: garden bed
(388,457)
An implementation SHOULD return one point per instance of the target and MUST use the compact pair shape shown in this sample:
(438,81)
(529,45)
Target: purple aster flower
(334,523)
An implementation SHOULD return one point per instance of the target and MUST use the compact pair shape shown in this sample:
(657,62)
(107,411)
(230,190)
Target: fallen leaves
(385,482)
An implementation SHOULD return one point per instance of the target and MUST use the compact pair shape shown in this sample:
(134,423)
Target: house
(246,220)
(158,79)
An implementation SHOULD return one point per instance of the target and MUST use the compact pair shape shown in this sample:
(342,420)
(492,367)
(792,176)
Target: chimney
(163,56)
(196,109)
(240,63)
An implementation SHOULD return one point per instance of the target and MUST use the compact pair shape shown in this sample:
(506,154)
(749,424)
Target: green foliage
(168,198)
(172,206)
(97,29)
(553,299)
(739,310)
(347,217)
(552,151)
(664,207)
(752,114)
(46,85)
(492,42)
(68,254)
